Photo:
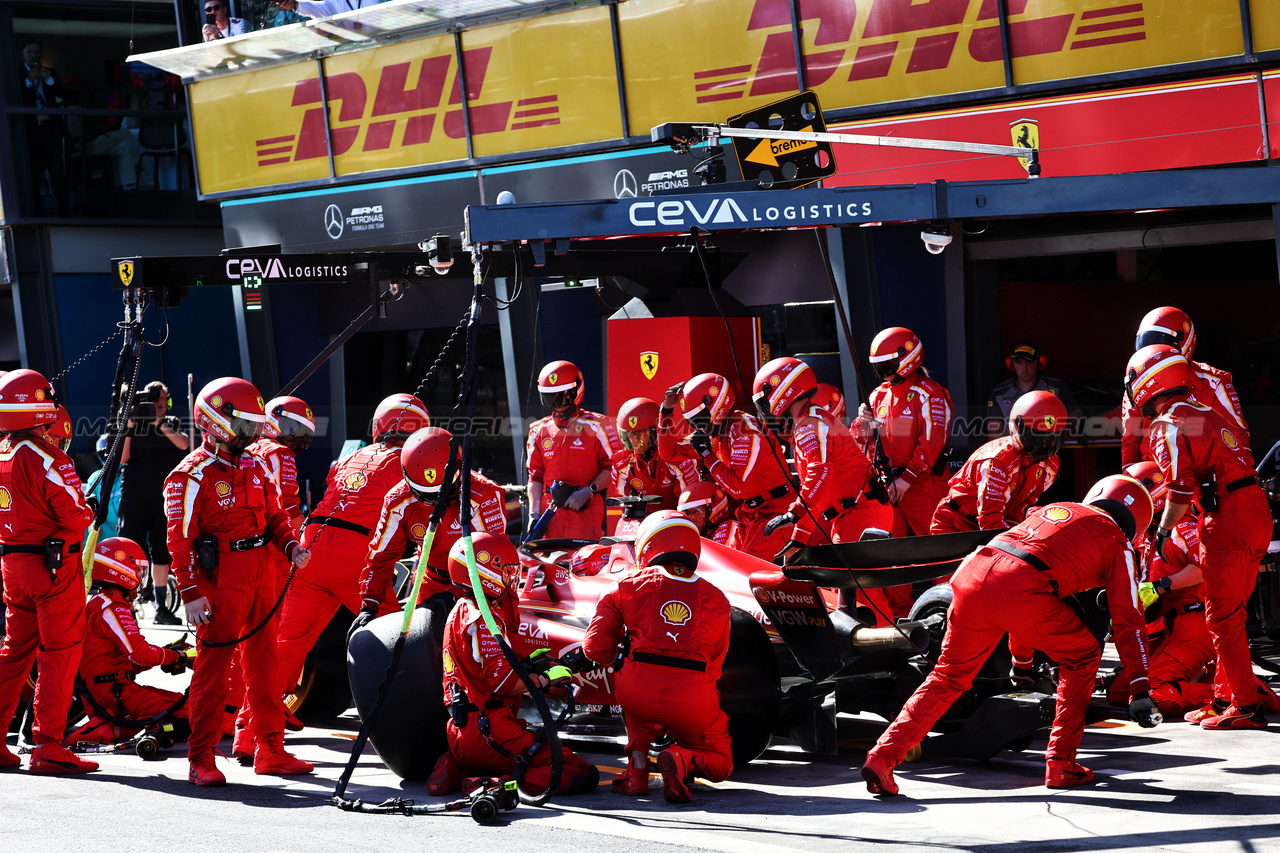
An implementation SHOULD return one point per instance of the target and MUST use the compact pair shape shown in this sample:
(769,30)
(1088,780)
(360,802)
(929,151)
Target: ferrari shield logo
(649,364)
(1026,134)
(124,269)
(1049,421)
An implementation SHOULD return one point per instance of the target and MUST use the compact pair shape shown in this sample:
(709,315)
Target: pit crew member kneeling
(115,652)
(483,692)
(675,627)
(1015,584)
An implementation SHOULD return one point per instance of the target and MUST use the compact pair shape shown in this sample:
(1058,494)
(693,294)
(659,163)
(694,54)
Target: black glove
(578,661)
(777,521)
(1023,679)
(701,442)
(92,501)
(364,617)
(1144,711)
(1161,537)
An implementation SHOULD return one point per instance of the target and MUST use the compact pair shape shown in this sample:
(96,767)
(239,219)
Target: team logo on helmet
(1049,421)
(482,556)
(6,499)
(310,416)
(632,421)
(417,531)
(551,380)
(1057,514)
(355,481)
(649,364)
(909,346)
(216,402)
(223,489)
(261,405)
(1229,439)
(430,475)
(774,379)
(675,613)
(39,393)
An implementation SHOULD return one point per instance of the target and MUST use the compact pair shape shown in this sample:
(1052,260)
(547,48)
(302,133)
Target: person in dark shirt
(153,447)
(1027,362)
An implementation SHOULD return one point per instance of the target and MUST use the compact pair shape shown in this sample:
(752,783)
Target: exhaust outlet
(913,636)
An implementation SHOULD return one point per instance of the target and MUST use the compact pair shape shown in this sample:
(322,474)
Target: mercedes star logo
(624,185)
(333,221)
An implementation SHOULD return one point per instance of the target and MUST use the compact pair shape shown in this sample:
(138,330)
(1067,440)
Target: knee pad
(584,782)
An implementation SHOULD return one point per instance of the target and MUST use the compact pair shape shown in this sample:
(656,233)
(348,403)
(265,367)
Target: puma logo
(675,637)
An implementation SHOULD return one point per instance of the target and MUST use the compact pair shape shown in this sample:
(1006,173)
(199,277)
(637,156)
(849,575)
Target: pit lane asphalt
(1175,787)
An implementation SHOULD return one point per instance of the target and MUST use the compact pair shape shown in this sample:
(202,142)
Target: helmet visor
(244,430)
(294,435)
(886,369)
(422,493)
(1041,445)
(1147,337)
(556,400)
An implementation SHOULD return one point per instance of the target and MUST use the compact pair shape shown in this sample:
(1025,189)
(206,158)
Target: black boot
(164,616)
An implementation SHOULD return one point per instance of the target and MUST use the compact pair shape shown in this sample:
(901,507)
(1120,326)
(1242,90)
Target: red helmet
(231,411)
(424,458)
(638,414)
(706,399)
(830,398)
(398,417)
(119,561)
(1126,500)
(590,560)
(708,497)
(1168,326)
(560,385)
(1037,422)
(290,422)
(780,383)
(896,353)
(1150,476)
(26,401)
(496,561)
(668,536)
(1155,371)
(60,431)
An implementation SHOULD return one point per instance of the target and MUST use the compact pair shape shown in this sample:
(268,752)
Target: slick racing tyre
(749,688)
(323,693)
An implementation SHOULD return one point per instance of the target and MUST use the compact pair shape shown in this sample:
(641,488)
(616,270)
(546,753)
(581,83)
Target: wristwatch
(1163,585)
(594,488)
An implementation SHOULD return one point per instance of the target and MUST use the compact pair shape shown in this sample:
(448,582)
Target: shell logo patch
(417,531)
(430,475)
(774,380)
(1057,514)
(1157,477)
(482,557)
(909,346)
(675,613)
(119,555)
(632,421)
(1186,326)
(6,499)
(39,393)
(635,481)
(223,489)
(546,443)
(355,481)
(882,412)
(551,380)
(714,390)
(216,402)
(1229,439)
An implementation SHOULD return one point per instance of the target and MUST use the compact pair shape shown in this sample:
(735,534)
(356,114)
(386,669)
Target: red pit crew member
(1014,585)
(1197,449)
(115,651)
(905,426)
(483,692)
(569,453)
(638,470)
(743,457)
(288,431)
(406,514)
(830,398)
(338,532)
(44,516)
(707,506)
(1209,386)
(834,471)
(223,510)
(676,629)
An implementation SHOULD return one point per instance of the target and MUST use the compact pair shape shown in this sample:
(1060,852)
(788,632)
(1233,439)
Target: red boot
(204,771)
(1062,773)
(243,747)
(446,778)
(1198,716)
(675,776)
(53,759)
(878,775)
(1268,699)
(1235,717)
(97,730)
(271,758)
(634,781)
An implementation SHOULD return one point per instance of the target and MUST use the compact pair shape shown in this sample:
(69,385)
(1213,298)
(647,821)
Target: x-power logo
(906,27)
(403,111)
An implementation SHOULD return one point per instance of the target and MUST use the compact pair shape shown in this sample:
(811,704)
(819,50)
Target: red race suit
(679,633)
(40,498)
(337,534)
(1192,443)
(1016,584)
(834,473)
(492,736)
(573,454)
(1209,387)
(995,489)
(234,500)
(632,475)
(404,519)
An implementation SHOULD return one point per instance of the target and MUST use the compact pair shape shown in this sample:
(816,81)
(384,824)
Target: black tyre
(935,601)
(750,691)
(323,692)
(409,731)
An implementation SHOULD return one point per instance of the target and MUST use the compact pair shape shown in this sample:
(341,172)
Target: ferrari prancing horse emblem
(649,364)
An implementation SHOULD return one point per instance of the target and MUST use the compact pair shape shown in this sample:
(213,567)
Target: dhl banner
(551,81)
(1140,129)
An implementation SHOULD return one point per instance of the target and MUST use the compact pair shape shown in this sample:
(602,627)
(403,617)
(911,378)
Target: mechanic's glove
(771,526)
(701,442)
(540,661)
(92,501)
(559,676)
(1158,541)
(185,661)
(788,551)
(1148,594)
(1144,711)
(364,617)
(1023,678)
(672,397)
(577,661)
(199,612)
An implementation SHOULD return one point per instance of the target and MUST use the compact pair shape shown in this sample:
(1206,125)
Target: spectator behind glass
(153,446)
(1026,361)
(218,23)
(324,8)
(120,144)
(41,87)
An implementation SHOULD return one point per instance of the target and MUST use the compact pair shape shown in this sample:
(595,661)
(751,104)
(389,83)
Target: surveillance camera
(936,238)
(439,253)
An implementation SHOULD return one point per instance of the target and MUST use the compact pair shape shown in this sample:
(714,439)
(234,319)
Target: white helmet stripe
(692,504)
(664,525)
(786,383)
(876,359)
(545,388)
(1147,374)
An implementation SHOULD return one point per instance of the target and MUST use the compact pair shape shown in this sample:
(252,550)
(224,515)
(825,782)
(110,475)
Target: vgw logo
(905,31)
(401,114)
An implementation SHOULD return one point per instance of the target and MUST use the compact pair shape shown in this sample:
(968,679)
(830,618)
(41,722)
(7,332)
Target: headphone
(1041,358)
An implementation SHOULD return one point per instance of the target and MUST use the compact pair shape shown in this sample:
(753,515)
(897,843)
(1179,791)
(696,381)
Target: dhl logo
(926,33)
(401,113)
